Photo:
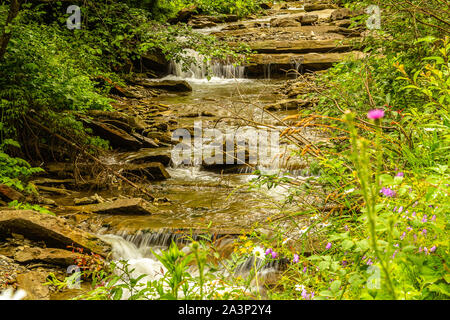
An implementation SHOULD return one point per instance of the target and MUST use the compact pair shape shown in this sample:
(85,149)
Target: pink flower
(274,254)
(375,114)
(433,249)
(269,251)
(296,258)
(328,245)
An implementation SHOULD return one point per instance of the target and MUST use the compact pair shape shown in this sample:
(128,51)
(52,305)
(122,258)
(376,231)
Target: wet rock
(279,63)
(284,22)
(134,206)
(146,142)
(33,283)
(58,257)
(88,200)
(184,15)
(54,231)
(319,6)
(169,85)
(154,171)
(9,194)
(308,19)
(162,155)
(344,13)
(117,137)
(299,46)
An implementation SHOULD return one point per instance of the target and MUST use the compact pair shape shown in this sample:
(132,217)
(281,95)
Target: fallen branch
(118,175)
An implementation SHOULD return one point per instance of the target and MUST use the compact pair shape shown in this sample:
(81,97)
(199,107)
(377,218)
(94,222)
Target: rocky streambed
(136,191)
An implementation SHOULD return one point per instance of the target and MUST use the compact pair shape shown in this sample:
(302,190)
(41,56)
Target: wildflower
(258,252)
(413,214)
(274,254)
(420,249)
(415,204)
(388,192)
(305,269)
(395,253)
(400,174)
(425,250)
(304,294)
(375,114)
(424,219)
(344,263)
(424,231)
(328,246)
(433,249)
(268,251)
(396,245)
(299,287)
(433,218)
(403,236)
(346,228)
(296,258)
(400,209)
(409,228)
(369,262)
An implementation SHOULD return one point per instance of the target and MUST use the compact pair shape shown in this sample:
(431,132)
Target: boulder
(134,206)
(58,257)
(117,137)
(169,85)
(9,194)
(33,284)
(184,15)
(284,22)
(154,171)
(54,231)
(308,19)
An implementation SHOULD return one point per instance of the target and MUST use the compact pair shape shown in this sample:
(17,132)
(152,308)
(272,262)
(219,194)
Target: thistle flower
(387,192)
(375,114)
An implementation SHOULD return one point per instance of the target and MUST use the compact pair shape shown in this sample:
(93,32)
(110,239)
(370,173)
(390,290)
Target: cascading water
(201,68)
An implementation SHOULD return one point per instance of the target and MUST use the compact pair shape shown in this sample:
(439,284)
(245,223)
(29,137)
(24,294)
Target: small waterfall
(201,68)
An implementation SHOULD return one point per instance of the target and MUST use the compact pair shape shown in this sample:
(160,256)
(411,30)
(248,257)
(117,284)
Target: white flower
(286,240)
(259,252)
(9,294)
(299,287)
(314,217)
(303,230)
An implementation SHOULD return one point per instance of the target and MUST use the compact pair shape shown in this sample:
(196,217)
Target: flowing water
(197,197)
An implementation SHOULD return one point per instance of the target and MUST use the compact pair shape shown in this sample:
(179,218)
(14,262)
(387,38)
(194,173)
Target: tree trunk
(6,36)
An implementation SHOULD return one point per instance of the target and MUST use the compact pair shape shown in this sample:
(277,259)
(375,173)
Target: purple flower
(413,214)
(369,262)
(296,258)
(328,246)
(424,219)
(375,114)
(433,249)
(409,228)
(344,263)
(388,192)
(305,269)
(274,254)
(420,249)
(433,218)
(403,236)
(269,251)
(424,231)
(400,209)
(400,174)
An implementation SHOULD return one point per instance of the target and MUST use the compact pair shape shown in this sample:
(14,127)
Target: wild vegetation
(385,173)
